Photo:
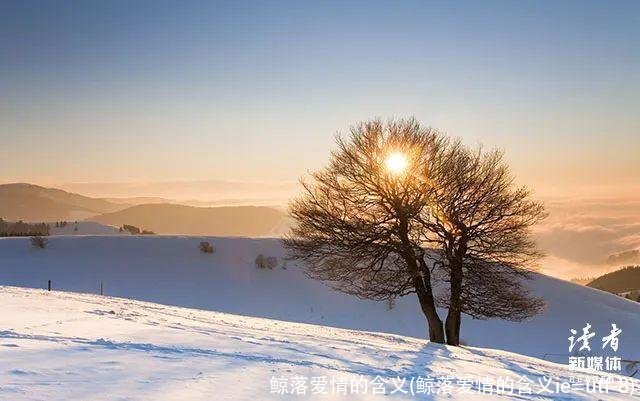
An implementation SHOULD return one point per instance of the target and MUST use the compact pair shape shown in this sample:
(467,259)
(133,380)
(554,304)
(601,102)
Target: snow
(171,270)
(69,346)
(84,228)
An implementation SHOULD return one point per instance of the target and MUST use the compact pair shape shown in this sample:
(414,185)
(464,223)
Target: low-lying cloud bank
(581,235)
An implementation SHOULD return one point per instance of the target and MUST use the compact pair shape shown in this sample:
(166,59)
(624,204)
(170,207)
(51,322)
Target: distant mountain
(179,219)
(243,192)
(138,200)
(582,280)
(623,280)
(30,202)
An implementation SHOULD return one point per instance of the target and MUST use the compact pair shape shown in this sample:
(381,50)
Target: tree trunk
(427,304)
(452,323)
(422,283)
(436,331)
(452,327)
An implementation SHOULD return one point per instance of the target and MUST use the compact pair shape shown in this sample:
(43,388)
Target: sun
(396,163)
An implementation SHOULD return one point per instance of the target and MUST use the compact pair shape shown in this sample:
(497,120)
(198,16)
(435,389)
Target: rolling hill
(85,228)
(30,202)
(33,203)
(623,280)
(180,219)
(183,191)
(171,270)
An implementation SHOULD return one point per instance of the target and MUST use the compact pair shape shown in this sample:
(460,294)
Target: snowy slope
(64,346)
(84,228)
(171,270)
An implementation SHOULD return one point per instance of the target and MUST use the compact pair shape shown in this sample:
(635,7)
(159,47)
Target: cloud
(581,234)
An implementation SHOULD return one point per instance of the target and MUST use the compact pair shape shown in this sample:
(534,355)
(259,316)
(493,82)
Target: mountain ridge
(30,202)
(172,218)
(623,280)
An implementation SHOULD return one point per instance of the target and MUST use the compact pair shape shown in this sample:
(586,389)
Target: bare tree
(359,223)
(369,229)
(479,225)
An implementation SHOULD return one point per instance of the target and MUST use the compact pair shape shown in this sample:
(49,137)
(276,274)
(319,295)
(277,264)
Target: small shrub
(272,262)
(131,229)
(39,242)
(266,262)
(206,247)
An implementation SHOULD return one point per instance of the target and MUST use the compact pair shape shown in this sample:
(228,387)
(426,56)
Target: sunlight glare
(396,163)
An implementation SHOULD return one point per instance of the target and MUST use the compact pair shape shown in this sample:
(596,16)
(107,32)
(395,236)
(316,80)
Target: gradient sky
(152,91)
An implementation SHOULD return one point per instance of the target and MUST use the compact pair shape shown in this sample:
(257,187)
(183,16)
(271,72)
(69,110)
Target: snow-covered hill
(65,346)
(84,228)
(171,270)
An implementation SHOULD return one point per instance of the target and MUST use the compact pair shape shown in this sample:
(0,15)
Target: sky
(256,91)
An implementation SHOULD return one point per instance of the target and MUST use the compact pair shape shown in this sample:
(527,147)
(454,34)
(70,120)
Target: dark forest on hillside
(623,280)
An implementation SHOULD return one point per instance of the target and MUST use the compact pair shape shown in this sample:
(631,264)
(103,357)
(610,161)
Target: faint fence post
(101,289)
(49,285)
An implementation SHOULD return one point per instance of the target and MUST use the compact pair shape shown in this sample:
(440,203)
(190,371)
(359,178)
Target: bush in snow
(39,242)
(266,262)
(132,229)
(206,247)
